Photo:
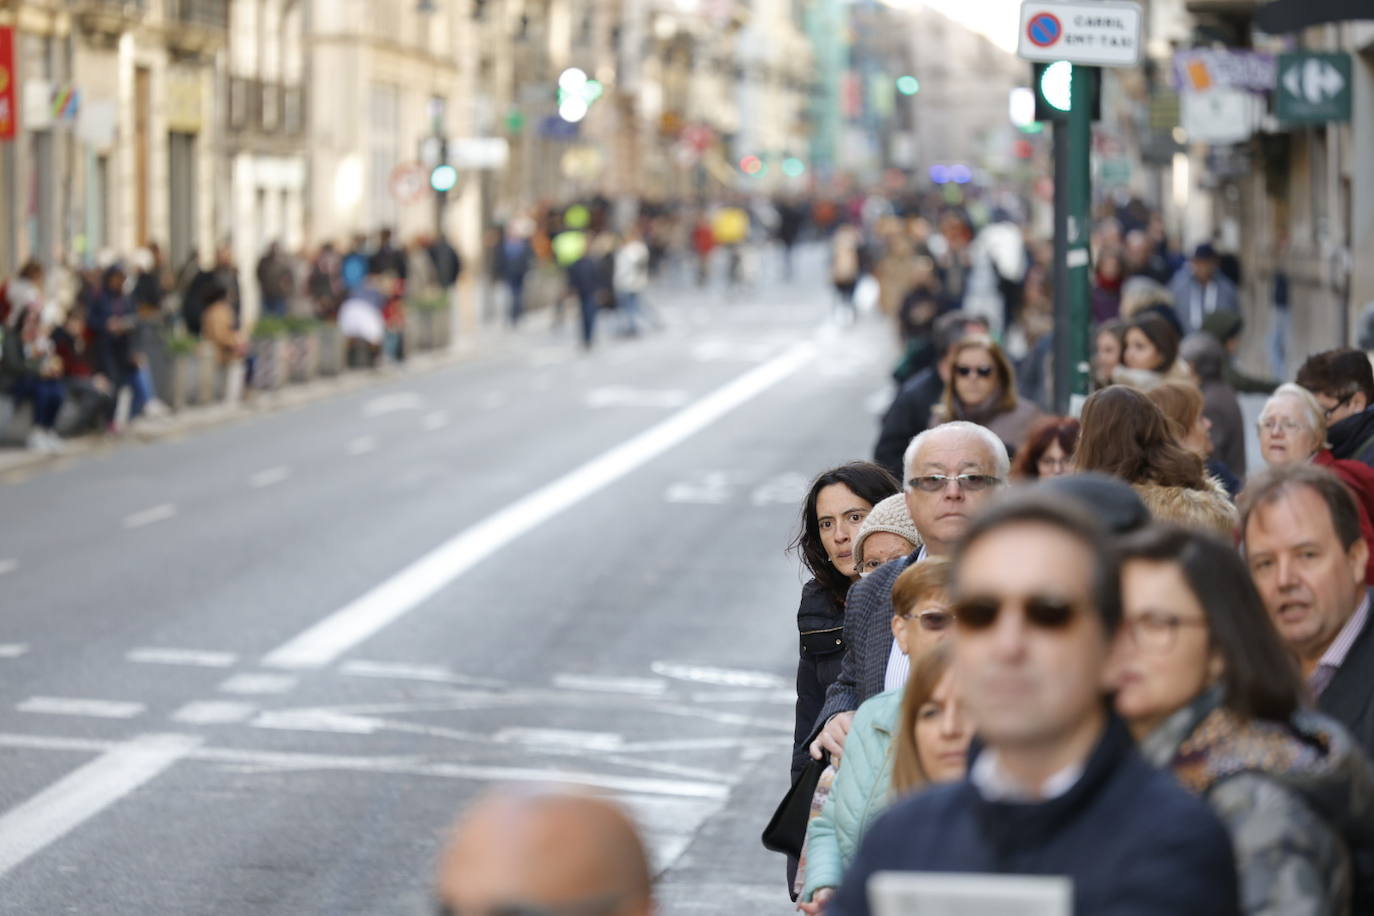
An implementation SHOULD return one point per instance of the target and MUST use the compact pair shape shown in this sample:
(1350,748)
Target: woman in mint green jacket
(921,730)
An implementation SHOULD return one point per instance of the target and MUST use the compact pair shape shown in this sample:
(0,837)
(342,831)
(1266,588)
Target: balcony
(196,27)
(266,109)
(108,18)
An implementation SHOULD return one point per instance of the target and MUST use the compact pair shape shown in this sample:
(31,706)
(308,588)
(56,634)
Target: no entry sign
(1100,34)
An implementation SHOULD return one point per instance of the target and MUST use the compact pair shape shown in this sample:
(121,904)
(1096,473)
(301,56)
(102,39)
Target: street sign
(1313,88)
(479,152)
(1221,116)
(1102,34)
(409,182)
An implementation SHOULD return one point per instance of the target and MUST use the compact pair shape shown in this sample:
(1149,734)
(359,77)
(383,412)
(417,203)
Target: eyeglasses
(1328,411)
(1045,612)
(1273,424)
(600,906)
(1053,464)
(1156,631)
(934,621)
(934,483)
(966,371)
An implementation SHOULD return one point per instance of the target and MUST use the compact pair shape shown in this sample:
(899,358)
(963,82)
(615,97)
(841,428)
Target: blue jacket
(862,790)
(1132,840)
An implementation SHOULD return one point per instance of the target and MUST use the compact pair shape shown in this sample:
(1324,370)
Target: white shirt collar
(994,785)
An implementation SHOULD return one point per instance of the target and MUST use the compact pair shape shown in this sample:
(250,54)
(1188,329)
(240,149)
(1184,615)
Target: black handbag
(786,831)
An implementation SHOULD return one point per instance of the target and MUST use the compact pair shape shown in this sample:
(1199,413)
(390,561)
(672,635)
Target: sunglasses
(933,621)
(1044,612)
(966,371)
(934,483)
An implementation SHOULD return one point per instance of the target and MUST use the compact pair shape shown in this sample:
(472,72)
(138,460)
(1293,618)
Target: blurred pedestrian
(545,851)
(951,472)
(846,267)
(1057,786)
(1221,407)
(1182,406)
(631,280)
(324,284)
(887,534)
(1200,289)
(275,281)
(90,392)
(1126,436)
(447,263)
(1343,384)
(1107,279)
(514,259)
(983,391)
(1204,682)
(1048,450)
(387,260)
(1143,259)
(1150,354)
(1226,327)
(1292,430)
(922,723)
(1109,340)
(1308,555)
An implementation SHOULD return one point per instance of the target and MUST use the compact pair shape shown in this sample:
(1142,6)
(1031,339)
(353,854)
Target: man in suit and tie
(951,471)
(1301,530)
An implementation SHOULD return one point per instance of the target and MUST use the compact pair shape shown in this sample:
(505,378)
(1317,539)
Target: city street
(259,669)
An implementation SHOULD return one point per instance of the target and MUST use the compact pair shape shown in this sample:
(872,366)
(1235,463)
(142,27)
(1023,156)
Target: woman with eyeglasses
(887,534)
(1292,429)
(919,726)
(1048,451)
(982,390)
(1210,693)
(1126,436)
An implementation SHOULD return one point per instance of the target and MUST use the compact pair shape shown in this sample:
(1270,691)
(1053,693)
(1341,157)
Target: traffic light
(908,84)
(1051,84)
(442,177)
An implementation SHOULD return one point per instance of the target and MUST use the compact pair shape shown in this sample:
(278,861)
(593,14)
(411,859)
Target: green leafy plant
(270,327)
(181,344)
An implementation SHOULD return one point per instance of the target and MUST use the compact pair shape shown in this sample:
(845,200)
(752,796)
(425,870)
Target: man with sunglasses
(1342,381)
(1057,786)
(951,472)
(544,852)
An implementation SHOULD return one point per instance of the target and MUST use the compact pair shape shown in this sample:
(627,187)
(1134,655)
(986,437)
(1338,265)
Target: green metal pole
(1079,203)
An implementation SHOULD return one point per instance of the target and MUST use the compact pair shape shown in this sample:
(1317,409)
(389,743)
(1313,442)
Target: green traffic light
(793,167)
(908,85)
(443,178)
(1056,85)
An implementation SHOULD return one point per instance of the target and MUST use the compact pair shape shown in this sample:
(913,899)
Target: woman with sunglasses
(864,786)
(1292,429)
(1126,436)
(1210,693)
(982,390)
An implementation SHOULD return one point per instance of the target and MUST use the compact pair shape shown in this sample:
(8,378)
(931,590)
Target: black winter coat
(908,416)
(1353,438)
(820,622)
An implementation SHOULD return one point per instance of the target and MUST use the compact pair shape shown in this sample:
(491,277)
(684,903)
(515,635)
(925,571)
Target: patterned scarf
(1223,744)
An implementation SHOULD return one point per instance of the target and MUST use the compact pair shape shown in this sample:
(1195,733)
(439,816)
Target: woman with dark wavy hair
(1126,435)
(1048,450)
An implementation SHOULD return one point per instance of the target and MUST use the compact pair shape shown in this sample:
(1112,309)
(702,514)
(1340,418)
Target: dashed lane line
(197,658)
(269,477)
(150,516)
(8,566)
(393,598)
(79,706)
(259,684)
(214,712)
(84,793)
(13,649)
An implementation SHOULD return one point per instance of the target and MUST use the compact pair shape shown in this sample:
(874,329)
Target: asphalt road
(259,669)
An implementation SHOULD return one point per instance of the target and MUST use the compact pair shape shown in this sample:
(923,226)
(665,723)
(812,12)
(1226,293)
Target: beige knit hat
(891,516)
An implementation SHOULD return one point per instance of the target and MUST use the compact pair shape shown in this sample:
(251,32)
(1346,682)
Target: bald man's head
(545,848)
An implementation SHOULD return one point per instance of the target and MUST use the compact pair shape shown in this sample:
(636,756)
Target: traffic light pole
(1072,260)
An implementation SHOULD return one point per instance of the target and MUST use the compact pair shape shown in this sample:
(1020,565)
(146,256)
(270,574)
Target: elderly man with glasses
(951,472)
(1057,786)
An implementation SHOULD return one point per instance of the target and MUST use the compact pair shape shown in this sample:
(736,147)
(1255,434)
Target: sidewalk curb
(18,464)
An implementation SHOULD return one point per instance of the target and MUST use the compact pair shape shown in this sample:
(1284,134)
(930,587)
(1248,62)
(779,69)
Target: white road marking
(8,566)
(492,400)
(317,720)
(13,649)
(560,738)
(214,712)
(725,677)
(639,686)
(154,655)
(392,403)
(434,673)
(434,421)
(710,488)
(77,706)
(402,592)
(786,489)
(625,396)
(269,476)
(362,445)
(258,684)
(84,793)
(150,516)
(402,766)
